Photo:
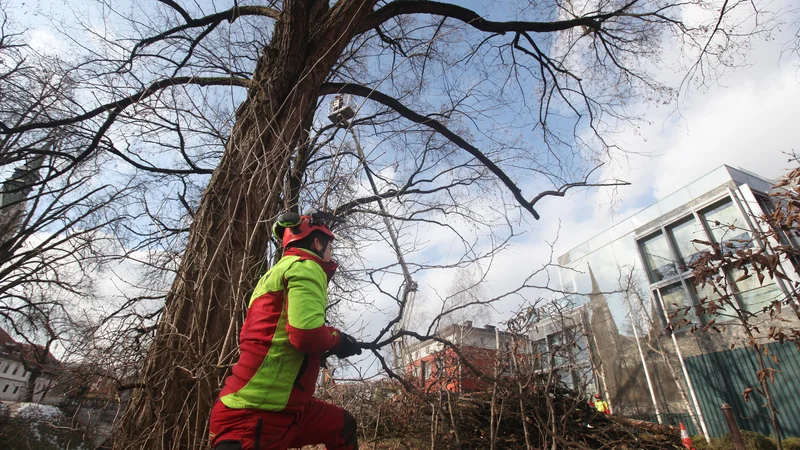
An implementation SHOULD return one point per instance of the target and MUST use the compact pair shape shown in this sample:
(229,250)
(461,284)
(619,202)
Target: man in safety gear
(267,402)
(601,405)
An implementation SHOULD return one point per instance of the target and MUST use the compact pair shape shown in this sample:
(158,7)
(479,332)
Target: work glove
(348,346)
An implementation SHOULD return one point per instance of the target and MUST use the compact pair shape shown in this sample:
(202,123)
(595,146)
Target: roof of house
(462,328)
(32,354)
(5,338)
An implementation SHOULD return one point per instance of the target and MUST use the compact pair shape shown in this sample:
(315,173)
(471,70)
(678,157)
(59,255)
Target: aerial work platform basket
(341,110)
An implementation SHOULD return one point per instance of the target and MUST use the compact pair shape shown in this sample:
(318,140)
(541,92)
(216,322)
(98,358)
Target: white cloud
(749,121)
(45,42)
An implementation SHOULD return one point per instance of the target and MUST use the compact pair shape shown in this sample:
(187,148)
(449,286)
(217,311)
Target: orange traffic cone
(685,439)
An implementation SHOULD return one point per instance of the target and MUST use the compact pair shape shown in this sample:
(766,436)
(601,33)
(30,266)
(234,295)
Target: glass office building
(633,280)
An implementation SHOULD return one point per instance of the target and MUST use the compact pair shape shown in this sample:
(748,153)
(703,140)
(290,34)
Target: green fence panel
(721,377)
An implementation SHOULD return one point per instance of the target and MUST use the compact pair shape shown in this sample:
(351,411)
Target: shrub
(40,427)
(752,441)
(791,443)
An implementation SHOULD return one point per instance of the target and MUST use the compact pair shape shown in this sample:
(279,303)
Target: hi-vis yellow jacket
(284,336)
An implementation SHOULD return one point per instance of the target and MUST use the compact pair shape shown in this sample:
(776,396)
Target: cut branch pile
(452,421)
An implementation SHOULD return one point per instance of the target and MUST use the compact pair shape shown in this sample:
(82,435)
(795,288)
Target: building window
(569,347)
(16,388)
(683,233)
(666,256)
(7,367)
(541,355)
(568,379)
(705,296)
(556,343)
(769,207)
(754,295)
(425,370)
(439,362)
(580,354)
(727,226)
(16,369)
(676,301)
(5,388)
(658,257)
(553,345)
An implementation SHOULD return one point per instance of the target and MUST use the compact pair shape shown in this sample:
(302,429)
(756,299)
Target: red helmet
(291,227)
(597,396)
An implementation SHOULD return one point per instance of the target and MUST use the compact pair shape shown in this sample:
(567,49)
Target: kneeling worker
(267,402)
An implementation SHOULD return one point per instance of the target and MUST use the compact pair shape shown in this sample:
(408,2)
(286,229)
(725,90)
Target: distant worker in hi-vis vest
(600,405)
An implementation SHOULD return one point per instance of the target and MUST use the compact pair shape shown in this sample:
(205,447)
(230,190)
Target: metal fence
(721,377)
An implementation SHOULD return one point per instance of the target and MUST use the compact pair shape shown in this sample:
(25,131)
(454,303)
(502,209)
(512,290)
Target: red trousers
(253,429)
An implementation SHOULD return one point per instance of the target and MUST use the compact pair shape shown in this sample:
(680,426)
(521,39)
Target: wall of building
(13,379)
(435,367)
(721,377)
(464,335)
(14,382)
(446,371)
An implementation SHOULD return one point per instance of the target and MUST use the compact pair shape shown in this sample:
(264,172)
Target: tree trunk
(196,338)
(519,374)
(30,390)
(453,421)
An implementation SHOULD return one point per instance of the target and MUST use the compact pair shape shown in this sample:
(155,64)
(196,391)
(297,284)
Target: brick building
(436,367)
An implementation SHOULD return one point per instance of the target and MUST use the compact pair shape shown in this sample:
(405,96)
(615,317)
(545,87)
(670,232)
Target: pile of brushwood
(449,421)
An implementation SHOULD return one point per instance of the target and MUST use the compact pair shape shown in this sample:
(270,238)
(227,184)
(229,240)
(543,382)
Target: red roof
(5,338)
(28,351)
(16,350)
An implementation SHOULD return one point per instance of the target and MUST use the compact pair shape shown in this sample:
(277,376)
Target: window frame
(643,255)
(668,229)
(684,274)
(728,271)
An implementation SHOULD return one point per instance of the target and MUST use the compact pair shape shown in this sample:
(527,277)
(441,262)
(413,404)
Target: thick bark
(31,386)
(197,334)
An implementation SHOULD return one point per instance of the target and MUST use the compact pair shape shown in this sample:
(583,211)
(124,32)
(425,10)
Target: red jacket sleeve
(315,340)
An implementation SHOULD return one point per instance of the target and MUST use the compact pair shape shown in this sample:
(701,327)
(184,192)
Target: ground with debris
(32,426)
